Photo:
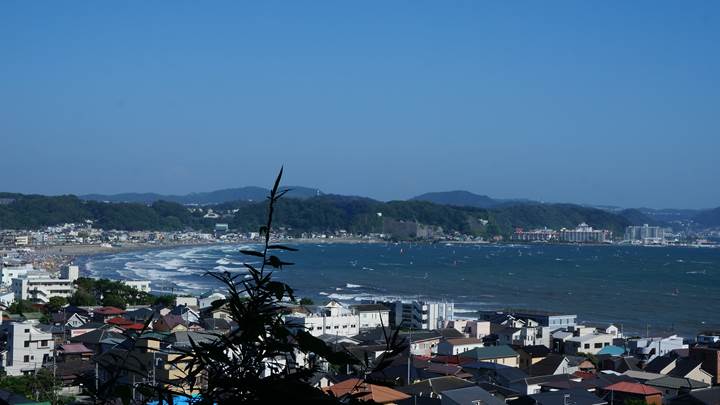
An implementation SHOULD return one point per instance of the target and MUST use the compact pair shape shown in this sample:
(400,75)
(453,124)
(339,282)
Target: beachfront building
(332,319)
(588,343)
(39,285)
(28,348)
(647,235)
(11,272)
(585,233)
(535,235)
(422,314)
(648,348)
(372,315)
(140,285)
(553,320)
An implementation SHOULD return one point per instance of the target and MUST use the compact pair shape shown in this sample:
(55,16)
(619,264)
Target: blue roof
(612,350)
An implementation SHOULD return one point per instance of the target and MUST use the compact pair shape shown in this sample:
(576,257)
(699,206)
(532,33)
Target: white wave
(323,293)
(229,269)
(348,285)
(223,261)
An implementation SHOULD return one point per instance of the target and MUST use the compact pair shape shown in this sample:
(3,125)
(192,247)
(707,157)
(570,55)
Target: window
(27,330)
(26,358)
(43,343)
(598,345)
(27,344)
(587,345)
(607,344)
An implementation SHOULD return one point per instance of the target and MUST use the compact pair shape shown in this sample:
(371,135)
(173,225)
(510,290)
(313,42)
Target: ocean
(660,289)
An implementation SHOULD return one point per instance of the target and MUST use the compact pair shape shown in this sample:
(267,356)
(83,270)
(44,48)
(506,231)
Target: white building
(207,300)
(372,315)
(584,233)
(140,285)
(11,272)
(332,319)
(458,345)
(590,343)
(422,315)
(647,348)
(40,286)
(28,348)
(645,234)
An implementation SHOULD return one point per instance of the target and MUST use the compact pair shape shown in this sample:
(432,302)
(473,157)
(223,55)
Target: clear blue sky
(607,102)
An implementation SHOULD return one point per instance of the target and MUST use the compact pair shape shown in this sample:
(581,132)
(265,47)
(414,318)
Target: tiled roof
(490,352)
(366,392)
(633,388)
(108,311)
(74,348)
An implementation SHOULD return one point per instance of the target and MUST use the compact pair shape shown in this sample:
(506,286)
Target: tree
(21,307)
(82,298)
(55,304)
(306,301)
(114,300)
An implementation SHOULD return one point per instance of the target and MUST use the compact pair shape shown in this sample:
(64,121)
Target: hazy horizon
(580,102)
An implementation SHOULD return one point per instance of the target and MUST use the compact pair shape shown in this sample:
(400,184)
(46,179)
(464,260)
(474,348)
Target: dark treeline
(325,213)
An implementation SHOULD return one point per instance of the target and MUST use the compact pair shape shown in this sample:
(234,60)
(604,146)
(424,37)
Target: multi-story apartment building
(645,234)
(332,319)
(421,314)
(39,286)
(585,233)
(28,348)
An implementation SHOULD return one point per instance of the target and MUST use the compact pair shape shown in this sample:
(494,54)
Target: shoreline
(95,250)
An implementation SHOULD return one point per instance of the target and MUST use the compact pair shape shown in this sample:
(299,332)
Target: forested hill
(318,214)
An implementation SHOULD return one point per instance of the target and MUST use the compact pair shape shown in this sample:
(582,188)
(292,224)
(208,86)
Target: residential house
(363,391)
(530,355)
(504,355)
(692,369)
(590,343)
(710,358)
(623,391)
(576,396)
(458,345)
(28,348)
(102,314)
(671,387)
(469,396)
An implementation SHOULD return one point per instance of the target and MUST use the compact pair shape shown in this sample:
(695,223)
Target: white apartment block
(423,315)
(140,285)
(333,319)
(11,272)
(39,286)
(28,348)
(372,315)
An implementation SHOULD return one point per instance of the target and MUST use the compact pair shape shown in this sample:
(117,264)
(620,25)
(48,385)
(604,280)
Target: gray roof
(573,396)
(490,352)
(658,364)
(471,396)
(684,367)
(676,383)
(435,385)
(546,366)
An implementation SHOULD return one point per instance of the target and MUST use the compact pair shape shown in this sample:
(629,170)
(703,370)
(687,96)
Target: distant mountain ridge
(248,193)
(458,198)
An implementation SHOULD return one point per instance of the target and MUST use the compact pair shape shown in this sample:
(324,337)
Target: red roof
(133,326)
(366,392)
(109,311)
(120,321)
(633,388)
(452,359)
(585,375)
(74,348)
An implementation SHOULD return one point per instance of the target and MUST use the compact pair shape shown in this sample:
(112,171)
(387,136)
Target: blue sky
(580,101)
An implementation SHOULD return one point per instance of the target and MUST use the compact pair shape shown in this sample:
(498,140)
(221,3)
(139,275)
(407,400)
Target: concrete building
(554,320)
(453,347)
(422,315)
(39,286)
(372,315)
(590,343)
(140,285)
(645,234)
(332,319)
(28,348)
(648,348)
(584,233)
(11,272)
